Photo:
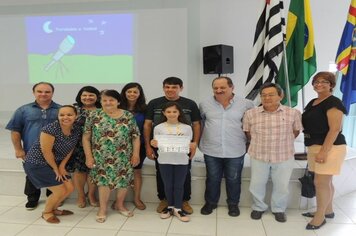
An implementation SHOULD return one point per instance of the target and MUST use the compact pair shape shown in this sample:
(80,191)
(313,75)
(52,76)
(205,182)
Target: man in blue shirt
(25,126)
(223,143)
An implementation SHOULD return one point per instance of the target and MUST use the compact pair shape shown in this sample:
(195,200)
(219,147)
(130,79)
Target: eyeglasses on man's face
(268,95)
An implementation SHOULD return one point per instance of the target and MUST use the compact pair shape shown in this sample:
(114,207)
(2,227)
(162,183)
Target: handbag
(307,181)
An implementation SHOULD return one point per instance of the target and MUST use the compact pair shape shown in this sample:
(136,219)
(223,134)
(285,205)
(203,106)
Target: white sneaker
(166,213)
(181,215)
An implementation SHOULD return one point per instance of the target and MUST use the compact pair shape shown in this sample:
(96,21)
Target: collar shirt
(272,137)
(222,134)
(29,119)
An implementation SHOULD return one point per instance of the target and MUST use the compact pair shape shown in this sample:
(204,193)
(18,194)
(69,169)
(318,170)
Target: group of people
(105,136)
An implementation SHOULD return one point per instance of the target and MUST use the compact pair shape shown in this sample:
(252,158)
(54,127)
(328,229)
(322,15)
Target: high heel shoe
(313,227)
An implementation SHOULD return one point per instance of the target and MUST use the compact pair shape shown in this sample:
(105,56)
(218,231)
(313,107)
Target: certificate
(173,143)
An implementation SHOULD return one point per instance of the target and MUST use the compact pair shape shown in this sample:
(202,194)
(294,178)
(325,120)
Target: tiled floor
(16,220)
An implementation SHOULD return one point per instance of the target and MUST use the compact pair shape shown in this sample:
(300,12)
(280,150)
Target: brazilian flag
(300,50)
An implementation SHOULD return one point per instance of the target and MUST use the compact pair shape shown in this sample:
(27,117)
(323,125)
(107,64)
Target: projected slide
(82,49)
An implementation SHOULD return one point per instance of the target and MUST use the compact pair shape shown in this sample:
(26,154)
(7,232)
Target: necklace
(170,129)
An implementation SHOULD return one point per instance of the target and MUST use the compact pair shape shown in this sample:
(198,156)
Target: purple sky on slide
(93,34)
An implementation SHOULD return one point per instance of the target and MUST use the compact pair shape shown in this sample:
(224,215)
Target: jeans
(173,177)
(187,184)
(280,175)
(231,169)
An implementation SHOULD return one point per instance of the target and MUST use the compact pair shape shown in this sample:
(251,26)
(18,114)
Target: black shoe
(31,205)
(233,210)
(280,216)
(312,227)
(256,215)
(311,215)
(207,209)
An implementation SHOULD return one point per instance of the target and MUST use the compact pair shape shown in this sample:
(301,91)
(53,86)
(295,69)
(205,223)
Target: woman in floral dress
(87,100)
(111,142)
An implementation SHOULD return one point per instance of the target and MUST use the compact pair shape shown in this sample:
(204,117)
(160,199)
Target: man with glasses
(271,129)
(25,126)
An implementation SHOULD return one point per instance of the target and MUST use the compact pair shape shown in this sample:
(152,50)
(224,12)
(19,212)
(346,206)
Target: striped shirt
(272,137)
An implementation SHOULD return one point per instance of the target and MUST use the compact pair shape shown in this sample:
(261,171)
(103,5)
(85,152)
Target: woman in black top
(322,121)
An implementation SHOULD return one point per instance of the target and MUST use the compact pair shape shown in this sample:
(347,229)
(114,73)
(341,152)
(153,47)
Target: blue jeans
(280,174)
(216,168)
(173,177)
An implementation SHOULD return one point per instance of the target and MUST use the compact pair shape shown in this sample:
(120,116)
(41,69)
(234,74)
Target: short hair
(89,89)
(111,93)
(272,85)
(228,80)
(173,81)
(140,105)
(70,106)
(328,76)
(47,83)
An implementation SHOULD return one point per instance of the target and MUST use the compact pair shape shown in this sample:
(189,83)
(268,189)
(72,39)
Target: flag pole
(284,58)
(286,76)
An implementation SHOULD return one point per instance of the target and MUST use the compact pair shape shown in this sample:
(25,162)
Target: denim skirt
(41,176)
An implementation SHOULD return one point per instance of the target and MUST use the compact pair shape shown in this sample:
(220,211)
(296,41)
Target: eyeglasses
(321,82)
(268,95)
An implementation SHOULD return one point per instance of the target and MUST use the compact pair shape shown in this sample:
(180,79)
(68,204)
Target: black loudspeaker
(218,59)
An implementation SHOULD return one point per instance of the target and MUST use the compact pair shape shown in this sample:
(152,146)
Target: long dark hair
(140,105)
(181,117)
(89,89)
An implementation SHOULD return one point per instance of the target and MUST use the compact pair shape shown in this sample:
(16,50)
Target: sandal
(100,219)
(93,204)
(81,204)
(141,206)
(62,212)
(52,219)
(113,207)
(126,213)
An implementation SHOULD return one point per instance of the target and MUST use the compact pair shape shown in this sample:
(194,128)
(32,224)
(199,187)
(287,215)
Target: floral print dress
(111,142)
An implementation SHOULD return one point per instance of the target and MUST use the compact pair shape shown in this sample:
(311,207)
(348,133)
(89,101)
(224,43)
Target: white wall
(233,22)
(210,22)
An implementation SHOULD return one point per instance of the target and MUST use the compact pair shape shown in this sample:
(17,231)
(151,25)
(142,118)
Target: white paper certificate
(173,143)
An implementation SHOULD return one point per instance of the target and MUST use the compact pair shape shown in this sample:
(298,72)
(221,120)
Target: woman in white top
(173,138)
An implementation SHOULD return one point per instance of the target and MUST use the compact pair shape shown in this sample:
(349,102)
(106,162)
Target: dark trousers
(33,194)
(173,177)
(216,169)
(187,183)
